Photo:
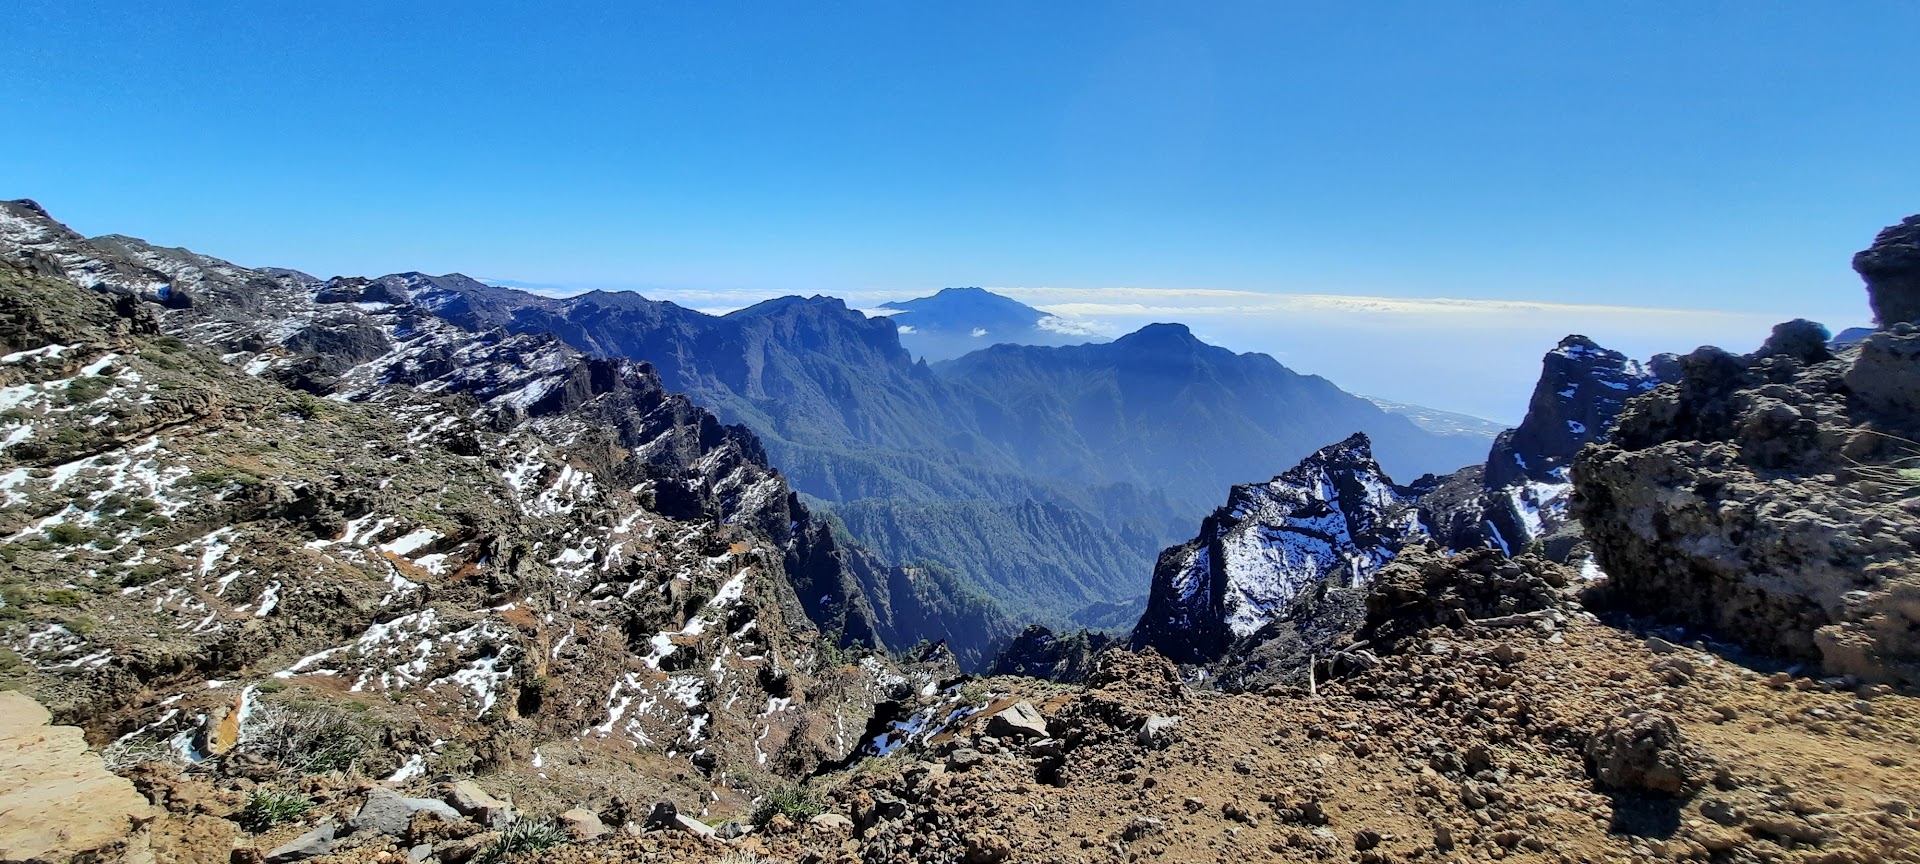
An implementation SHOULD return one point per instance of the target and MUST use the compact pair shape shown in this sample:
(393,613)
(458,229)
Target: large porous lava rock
(1645,752)
(1891,268)
(1425,588)
(1772,499)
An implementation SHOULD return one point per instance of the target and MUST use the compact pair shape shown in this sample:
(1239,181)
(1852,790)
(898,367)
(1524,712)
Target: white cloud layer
(1478,357)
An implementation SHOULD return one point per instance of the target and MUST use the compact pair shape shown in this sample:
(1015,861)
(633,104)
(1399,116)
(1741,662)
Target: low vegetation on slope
(211,571)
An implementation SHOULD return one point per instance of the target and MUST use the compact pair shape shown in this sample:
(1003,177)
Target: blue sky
(1727,157)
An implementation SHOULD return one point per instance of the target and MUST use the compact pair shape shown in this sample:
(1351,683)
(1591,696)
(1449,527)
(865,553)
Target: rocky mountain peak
(818,303)
(1329,521)
(1891,269)
(959,321)
(1520,496)
(1160,337)
(968,296)
(1581,390)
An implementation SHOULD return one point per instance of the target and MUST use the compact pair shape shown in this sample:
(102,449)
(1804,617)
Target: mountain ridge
(851,416)
(956,321)
(350,335)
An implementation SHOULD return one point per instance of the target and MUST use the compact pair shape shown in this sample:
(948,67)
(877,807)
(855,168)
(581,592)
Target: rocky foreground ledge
(58,802)
(1484,714)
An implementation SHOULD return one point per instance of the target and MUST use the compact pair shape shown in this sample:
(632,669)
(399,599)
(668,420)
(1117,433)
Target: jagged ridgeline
(1043,478)
(501,552)
(358,339)
(1315,532)
(1046,478)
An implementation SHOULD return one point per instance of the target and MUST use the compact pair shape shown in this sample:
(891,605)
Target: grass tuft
(306,740)
(268,807)
(795,801)
(525,835)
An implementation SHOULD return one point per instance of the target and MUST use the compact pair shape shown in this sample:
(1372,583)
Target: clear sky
(1699,155)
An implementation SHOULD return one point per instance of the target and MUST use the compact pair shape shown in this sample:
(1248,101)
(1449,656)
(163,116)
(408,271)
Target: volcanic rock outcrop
(1582,388)
(1891,268)
(1039,652)
(1771,499)
(1425,587)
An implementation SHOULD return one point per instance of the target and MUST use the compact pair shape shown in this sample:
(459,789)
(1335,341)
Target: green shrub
(143,573)
(69,534)
(795,801)
(121,503)
(83,390)
(309,408)
(268,807)
(62,597)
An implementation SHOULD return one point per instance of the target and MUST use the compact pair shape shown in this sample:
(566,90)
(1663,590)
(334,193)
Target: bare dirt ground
(1478,745)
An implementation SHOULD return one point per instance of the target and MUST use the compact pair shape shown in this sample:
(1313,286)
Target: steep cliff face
(1279,574)
(1770,499)
(1583,388)
(1327,523)
(1581,392)
(511,556)
(1077,452)
(1519,497)
(850,417)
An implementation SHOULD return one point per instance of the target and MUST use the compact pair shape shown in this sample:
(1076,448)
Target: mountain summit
(961,320)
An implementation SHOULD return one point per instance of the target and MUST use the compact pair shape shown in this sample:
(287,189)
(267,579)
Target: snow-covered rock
(1330,521)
